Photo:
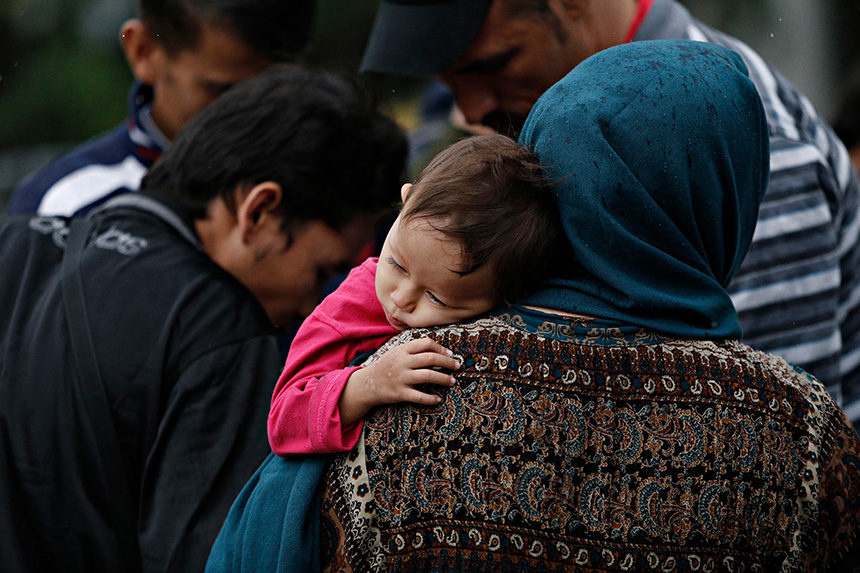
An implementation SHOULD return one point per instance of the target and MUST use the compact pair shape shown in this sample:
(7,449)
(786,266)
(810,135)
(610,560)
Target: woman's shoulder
(623,360)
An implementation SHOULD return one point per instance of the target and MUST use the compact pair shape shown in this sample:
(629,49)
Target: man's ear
(142,51)
(258,212)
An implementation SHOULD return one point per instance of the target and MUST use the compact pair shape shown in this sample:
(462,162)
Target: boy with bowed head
(137,344)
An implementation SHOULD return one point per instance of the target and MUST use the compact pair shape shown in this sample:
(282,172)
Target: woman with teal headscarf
(663,163)
(613,420)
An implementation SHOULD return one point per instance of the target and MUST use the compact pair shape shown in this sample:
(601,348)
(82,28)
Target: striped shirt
(798,291)
(89,175)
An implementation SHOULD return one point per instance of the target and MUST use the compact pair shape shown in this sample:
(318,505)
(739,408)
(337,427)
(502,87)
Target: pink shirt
(304,417)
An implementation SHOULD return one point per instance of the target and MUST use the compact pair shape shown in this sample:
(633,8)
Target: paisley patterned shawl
(661,149)
(579,446)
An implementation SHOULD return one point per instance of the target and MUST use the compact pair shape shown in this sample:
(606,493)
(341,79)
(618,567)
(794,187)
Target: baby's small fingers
(431,377)
(433,360)
(427,345)
(417,397)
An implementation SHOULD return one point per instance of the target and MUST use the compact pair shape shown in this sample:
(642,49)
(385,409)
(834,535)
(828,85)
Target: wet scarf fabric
(274,522)
(661,152)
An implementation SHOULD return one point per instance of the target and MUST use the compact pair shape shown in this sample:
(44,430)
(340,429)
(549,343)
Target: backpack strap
(90,391)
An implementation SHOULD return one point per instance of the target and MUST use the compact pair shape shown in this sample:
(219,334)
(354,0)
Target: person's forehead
(420,238)
(443,257)
(420,230)
(500,32)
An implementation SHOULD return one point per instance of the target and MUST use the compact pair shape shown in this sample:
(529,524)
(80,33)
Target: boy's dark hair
(490,194)
(318,135)
(277,29)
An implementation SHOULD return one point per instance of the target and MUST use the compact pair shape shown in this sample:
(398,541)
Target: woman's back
(574,444)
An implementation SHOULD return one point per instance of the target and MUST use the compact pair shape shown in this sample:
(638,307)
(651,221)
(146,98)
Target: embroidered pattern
(56,227)
(120,241)
(113,239)
(563,451)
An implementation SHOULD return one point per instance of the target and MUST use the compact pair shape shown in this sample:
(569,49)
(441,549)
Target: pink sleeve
(304,417)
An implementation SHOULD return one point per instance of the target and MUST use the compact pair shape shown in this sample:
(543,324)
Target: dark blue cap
(422,37)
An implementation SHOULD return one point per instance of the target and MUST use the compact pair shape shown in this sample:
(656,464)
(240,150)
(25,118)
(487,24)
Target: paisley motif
(709,510)
(530,490)
(591,502)
(513,421)
(749,448)
(692,438)
(630,437)
(650,505)
(454,414)
(418,483)
(471,484)
(575,431)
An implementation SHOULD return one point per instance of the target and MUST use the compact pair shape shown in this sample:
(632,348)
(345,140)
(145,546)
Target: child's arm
(392,379)
(304,417)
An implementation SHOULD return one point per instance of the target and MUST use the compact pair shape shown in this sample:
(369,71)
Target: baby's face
(417,283)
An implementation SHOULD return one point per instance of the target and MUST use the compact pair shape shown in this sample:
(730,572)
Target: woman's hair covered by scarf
(663,155)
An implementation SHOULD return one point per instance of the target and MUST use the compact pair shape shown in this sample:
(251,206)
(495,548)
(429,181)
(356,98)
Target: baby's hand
(393,378)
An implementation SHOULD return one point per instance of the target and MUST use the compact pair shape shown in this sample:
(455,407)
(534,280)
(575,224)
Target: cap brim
(423,38)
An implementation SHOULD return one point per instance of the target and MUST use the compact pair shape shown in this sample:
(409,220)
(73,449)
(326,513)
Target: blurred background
(63,78)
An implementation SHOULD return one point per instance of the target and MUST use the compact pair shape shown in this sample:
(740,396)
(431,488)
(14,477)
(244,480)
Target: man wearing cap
(797,292)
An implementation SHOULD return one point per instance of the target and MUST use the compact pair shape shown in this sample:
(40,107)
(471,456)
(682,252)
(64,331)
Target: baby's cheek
(435,317)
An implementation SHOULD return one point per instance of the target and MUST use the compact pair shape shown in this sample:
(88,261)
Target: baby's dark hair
(490,194)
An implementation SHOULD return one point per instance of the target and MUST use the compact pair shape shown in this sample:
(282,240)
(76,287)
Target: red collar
(641,12)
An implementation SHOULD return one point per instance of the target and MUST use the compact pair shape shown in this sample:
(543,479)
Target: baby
(476,229)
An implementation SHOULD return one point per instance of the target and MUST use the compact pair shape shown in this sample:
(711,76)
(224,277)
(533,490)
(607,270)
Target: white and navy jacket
(797,292)
(87,176)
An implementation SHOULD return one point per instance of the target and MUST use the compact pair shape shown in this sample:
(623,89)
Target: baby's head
(477,228)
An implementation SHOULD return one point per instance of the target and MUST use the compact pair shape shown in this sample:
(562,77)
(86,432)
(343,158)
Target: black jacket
(188,360)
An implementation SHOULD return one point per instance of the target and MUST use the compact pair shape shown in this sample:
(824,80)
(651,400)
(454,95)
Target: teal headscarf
(662,151)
